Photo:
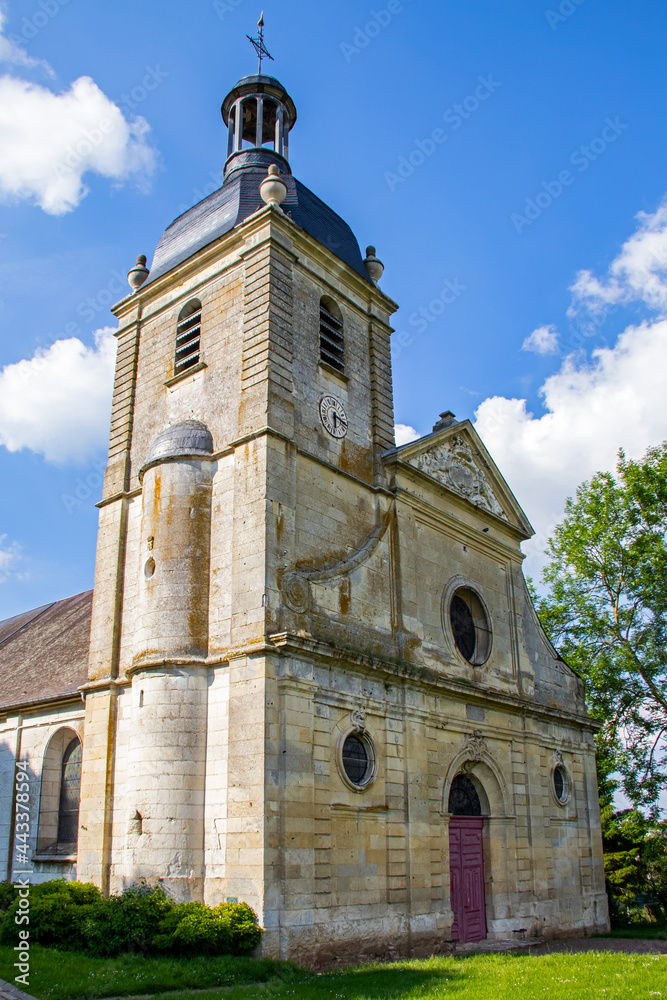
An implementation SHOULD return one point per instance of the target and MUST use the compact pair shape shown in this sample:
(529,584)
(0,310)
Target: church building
(310,675)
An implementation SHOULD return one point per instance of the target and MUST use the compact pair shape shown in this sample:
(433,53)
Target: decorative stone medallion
(296,592)
(333,416)
(453,465)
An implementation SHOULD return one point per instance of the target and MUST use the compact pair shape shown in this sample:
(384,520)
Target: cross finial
(258,44)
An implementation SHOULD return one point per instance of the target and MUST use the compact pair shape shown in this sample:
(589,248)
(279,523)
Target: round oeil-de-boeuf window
(358,760)
(561,784)
(470,626)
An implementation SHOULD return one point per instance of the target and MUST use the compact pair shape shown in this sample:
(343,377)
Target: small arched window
(70,794)
(332,342)
(188,337)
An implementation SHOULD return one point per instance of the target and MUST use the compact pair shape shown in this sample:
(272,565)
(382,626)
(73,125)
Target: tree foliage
(606,612)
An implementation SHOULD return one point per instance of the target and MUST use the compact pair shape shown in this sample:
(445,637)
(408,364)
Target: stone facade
(261,598)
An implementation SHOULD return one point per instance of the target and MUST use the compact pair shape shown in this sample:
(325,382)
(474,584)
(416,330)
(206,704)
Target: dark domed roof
(255,78)
(258,84)
(239,198)
(187,439)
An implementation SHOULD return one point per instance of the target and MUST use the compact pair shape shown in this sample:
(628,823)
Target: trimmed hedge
(74,916)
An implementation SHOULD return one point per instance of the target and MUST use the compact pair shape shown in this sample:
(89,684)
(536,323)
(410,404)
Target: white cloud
(58,402)
(592,407)
(639,273)
(49,141)
(13,54)
(9,558)
(544,340)
(404,434)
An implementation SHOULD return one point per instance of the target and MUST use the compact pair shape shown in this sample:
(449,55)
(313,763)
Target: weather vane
(258,44)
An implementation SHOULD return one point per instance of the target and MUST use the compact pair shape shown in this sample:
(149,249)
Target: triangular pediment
(456,458)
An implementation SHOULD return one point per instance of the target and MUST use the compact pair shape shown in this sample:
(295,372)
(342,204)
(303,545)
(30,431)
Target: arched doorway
(466,861)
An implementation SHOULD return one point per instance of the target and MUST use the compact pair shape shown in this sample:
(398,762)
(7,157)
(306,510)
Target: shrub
(74,916)
(193,928)
(58,913)
(245,931)
(7,895)
(128,922)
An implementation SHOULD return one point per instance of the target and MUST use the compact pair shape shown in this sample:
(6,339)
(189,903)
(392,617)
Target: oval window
(470,626)
(356,760)
(560,784)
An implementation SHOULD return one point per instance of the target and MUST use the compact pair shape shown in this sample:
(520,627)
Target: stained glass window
(70,794)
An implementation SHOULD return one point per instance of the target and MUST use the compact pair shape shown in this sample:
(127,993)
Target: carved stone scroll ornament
(557,758)
(295,584)
(474,746)
(358,719)
(452,464)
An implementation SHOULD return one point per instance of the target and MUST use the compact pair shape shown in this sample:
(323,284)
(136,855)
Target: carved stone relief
(358,719)
(453,464)
(296,592)
(474,746)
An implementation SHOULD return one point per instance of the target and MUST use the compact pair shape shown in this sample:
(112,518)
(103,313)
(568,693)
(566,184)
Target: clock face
(333,416)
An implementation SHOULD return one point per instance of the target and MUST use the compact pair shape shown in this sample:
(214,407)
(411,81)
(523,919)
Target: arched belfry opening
(466,860)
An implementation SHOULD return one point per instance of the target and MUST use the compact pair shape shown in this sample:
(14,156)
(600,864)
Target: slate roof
(237,199)
(44,652)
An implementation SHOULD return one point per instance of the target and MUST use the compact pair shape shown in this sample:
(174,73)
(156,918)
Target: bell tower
(252,405)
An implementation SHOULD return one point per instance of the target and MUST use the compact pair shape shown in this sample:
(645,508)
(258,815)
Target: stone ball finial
(273,189)
(138,274)
(374,266)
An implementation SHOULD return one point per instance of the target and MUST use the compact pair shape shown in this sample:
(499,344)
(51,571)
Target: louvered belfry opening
(188,337)
(332,343)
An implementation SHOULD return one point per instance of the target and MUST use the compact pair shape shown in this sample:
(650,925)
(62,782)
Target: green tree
(635,865)
(606,612)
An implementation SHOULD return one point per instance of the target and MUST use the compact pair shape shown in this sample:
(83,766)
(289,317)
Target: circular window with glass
(470,627)
(358,760)
(561,784)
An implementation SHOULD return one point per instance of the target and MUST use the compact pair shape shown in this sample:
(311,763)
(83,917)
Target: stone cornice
(265,431)
(294,645)
(241,236)
(39,703)
(290,644)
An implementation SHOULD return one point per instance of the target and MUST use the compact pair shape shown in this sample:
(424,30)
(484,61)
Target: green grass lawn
(603,976)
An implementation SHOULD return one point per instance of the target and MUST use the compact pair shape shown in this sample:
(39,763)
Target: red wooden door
(466,867)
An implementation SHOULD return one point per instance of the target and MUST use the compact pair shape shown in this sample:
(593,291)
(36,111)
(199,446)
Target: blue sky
(497,155)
